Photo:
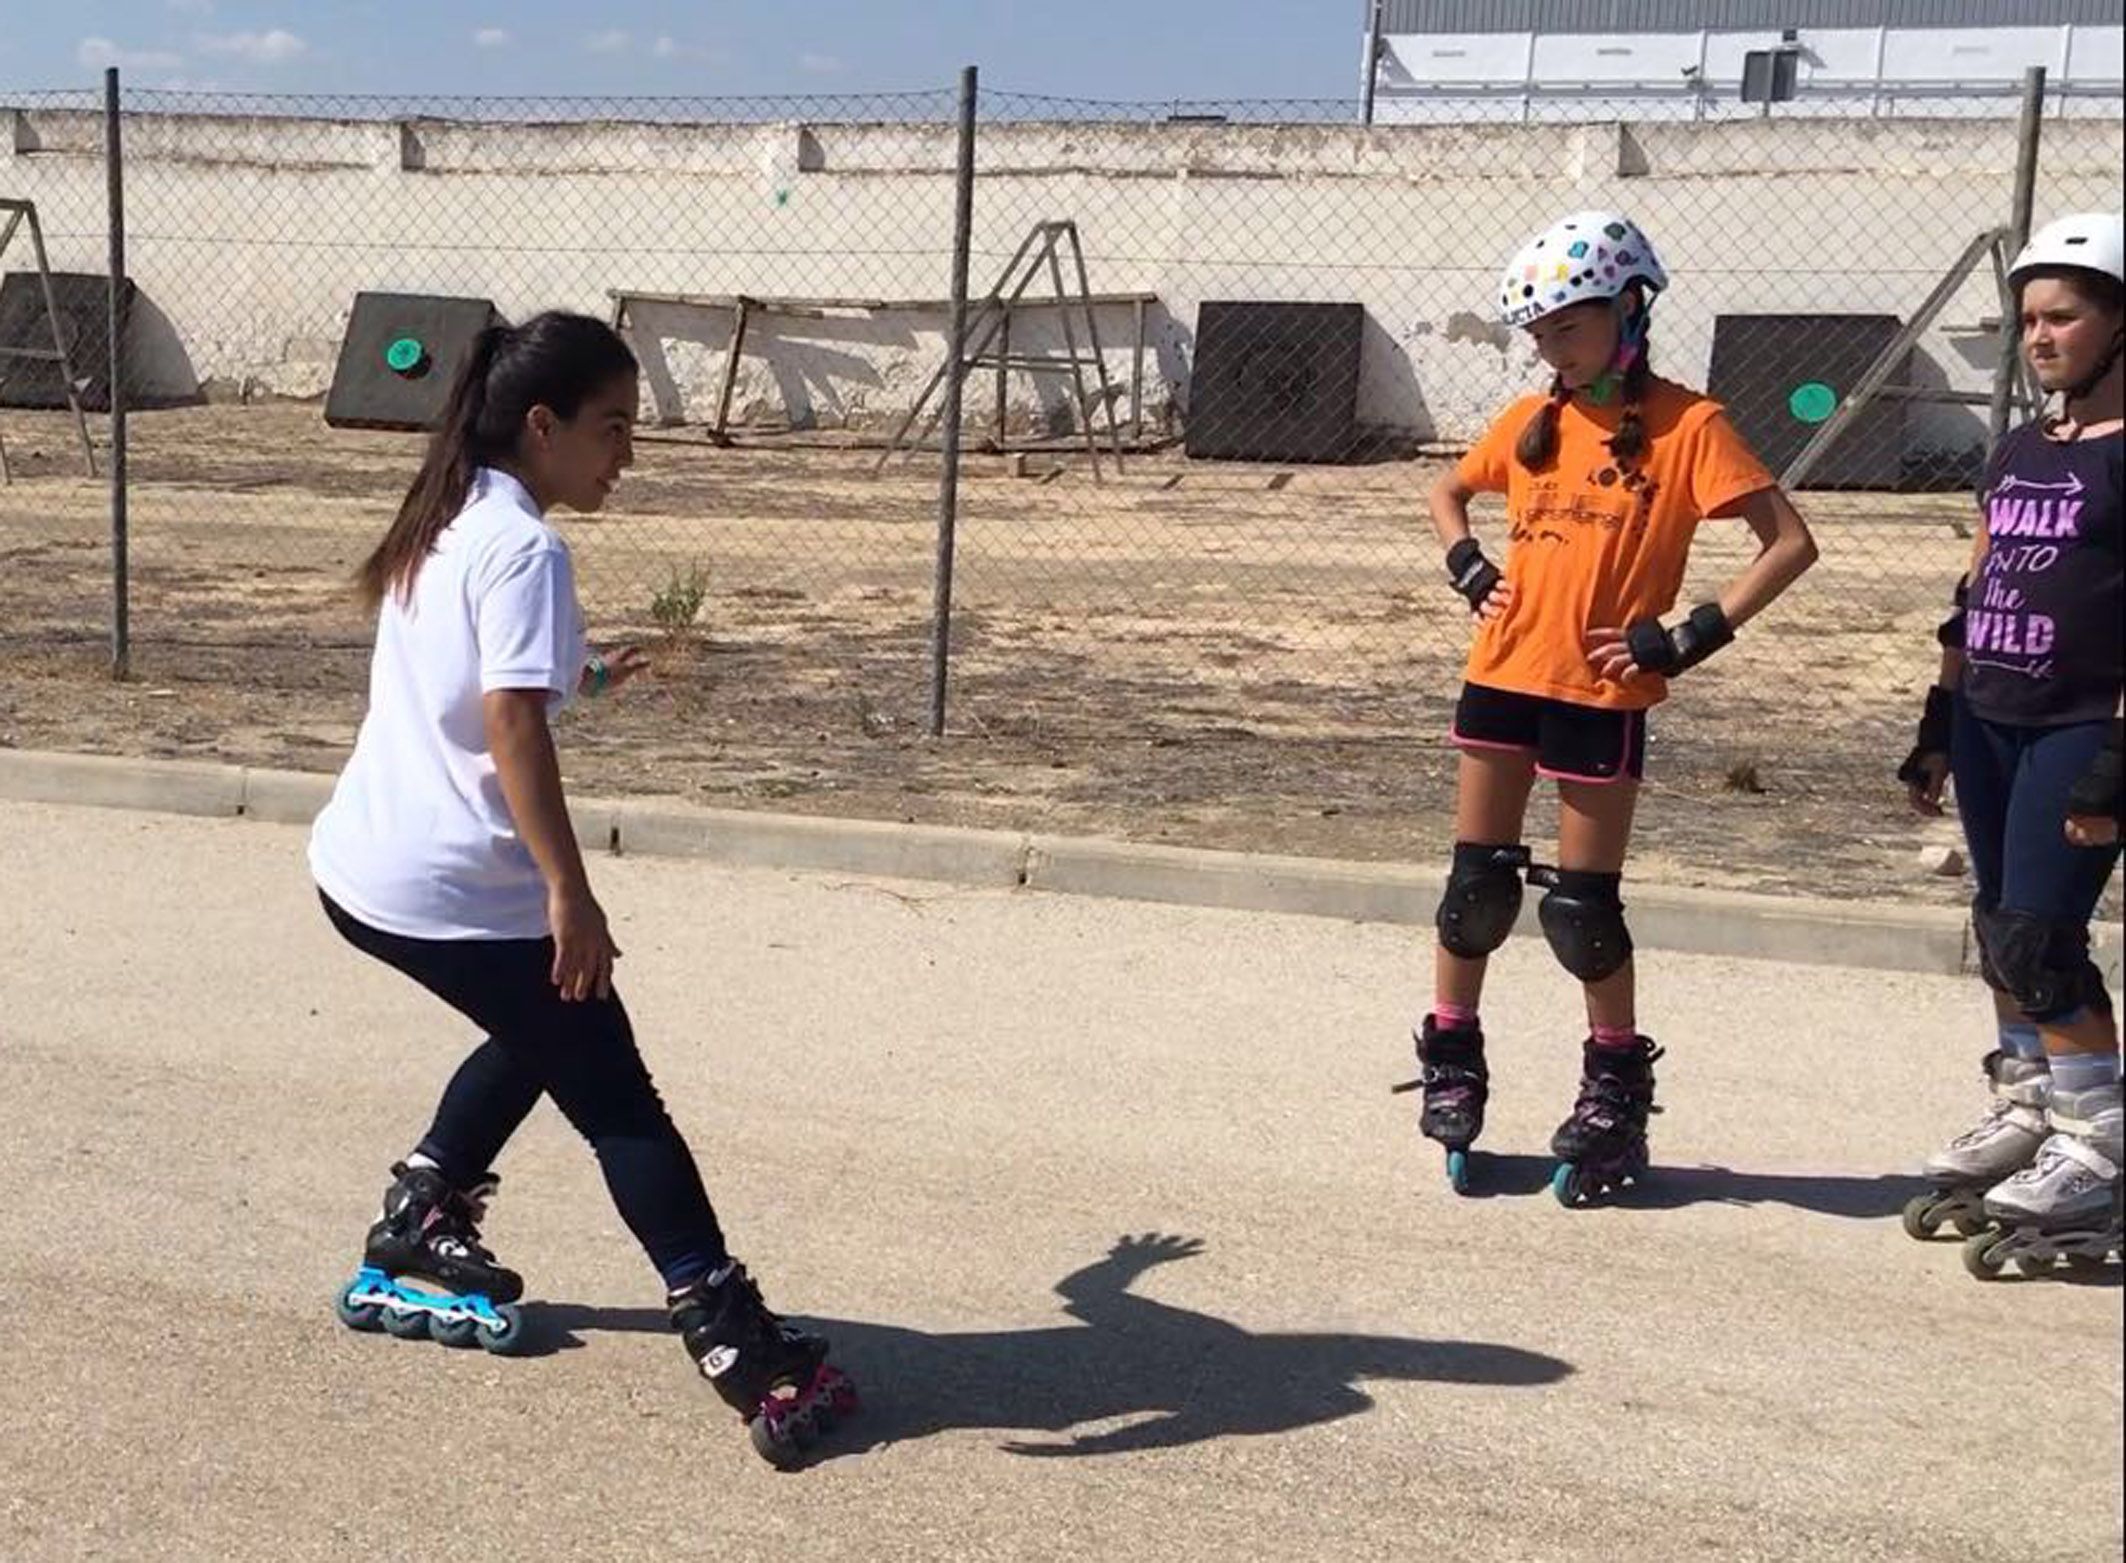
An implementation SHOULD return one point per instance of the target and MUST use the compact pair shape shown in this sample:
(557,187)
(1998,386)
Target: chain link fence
(1216,352)
(1322,334)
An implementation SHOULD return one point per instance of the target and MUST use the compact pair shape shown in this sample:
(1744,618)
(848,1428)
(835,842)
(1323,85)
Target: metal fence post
(114,178)
(955,387)
(1373,41)
(2028,136)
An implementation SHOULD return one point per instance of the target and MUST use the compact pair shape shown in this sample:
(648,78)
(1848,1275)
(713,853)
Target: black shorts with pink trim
(1570,742)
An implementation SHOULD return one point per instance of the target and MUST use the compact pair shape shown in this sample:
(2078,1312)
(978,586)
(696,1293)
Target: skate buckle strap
(2035,1092)
(2072,1141)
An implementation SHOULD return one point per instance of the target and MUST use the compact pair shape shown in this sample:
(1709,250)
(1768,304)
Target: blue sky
(1079,48)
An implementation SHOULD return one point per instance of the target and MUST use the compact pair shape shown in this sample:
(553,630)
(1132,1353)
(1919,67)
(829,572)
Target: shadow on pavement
(1857,1198)
(1180,1377)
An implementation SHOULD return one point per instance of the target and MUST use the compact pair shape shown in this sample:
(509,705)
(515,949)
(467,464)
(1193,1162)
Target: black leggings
(581,1054)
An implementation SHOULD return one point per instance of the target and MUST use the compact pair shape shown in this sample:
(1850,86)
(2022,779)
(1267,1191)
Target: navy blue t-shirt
(2045,629)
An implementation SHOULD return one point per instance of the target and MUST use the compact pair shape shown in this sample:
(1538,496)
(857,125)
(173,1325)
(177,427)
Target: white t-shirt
(418,838)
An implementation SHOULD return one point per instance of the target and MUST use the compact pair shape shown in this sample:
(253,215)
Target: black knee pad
(1482,898)
(1988,973)
(1583,918)
(2042,963)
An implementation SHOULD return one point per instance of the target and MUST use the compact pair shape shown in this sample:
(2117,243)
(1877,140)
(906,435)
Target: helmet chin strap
(2071,394)
(1631,338)
(2095,377)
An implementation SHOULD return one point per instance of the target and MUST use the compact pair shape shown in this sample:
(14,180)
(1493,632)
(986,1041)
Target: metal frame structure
(991,323)
(18,213)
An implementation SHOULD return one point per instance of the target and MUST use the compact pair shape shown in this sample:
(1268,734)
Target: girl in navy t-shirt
(2026,719)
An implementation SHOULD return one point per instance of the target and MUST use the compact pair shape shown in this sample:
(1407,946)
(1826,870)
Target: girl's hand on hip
(1609,655)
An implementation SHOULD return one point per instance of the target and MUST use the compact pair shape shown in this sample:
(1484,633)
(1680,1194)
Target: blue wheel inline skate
(425,1274)
(1457,1084)
(1602,1147)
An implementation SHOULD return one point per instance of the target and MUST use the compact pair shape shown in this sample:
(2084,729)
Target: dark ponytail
(1538,446)
(553,360)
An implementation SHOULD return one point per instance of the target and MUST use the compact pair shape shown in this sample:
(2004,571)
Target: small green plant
(677,606)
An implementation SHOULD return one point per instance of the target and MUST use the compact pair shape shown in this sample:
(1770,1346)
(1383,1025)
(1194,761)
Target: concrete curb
(844,846)
(1705,922)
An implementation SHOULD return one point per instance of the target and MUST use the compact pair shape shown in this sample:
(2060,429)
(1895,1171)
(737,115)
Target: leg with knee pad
(1482,898)
(1988,973)
(2042,963)
(1583,918)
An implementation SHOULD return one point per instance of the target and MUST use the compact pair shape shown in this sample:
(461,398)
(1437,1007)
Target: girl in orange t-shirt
(1606,479)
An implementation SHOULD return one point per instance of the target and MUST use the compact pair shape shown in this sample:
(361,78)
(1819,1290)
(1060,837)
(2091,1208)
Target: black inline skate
(773,1374)
(1602,1146)
(1457,1084)
(425,1273)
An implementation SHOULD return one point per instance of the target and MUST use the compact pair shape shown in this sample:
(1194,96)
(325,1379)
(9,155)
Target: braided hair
(1538,444)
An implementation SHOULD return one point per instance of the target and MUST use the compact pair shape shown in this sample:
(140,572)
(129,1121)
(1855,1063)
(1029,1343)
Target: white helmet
(1589,255)
(2087,241)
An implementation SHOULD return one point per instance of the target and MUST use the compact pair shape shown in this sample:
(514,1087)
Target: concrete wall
(249,237)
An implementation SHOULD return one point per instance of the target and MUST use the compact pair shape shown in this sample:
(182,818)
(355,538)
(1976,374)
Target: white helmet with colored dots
(1587,256)
(2086,241)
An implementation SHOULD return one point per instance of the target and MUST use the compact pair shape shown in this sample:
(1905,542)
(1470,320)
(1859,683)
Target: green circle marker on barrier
(1812,402)
(405,355)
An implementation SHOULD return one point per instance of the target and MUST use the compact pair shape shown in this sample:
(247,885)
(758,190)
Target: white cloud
(272,48)
(669,48)
(819,64)
(97,54)
(492,38)
(614,41)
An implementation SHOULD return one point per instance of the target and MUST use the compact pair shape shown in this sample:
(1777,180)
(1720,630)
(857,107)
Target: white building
(1581,60)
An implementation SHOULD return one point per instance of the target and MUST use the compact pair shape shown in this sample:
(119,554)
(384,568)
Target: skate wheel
(363,1316)
(505,1337)
(1921,1220)
(1458,1171)
(1568,1185)
(1969,1226)
(772,1441)
(455,1333)
(406,1325)
(1985,1254)
(2087,1264)
(2033,1267)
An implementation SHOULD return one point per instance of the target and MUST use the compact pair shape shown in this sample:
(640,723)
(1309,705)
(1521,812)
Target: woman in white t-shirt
(447,852)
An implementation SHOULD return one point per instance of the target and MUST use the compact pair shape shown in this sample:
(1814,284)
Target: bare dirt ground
(1228,656)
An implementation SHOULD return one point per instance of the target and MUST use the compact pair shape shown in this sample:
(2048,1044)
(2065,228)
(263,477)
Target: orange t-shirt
(1592,546)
